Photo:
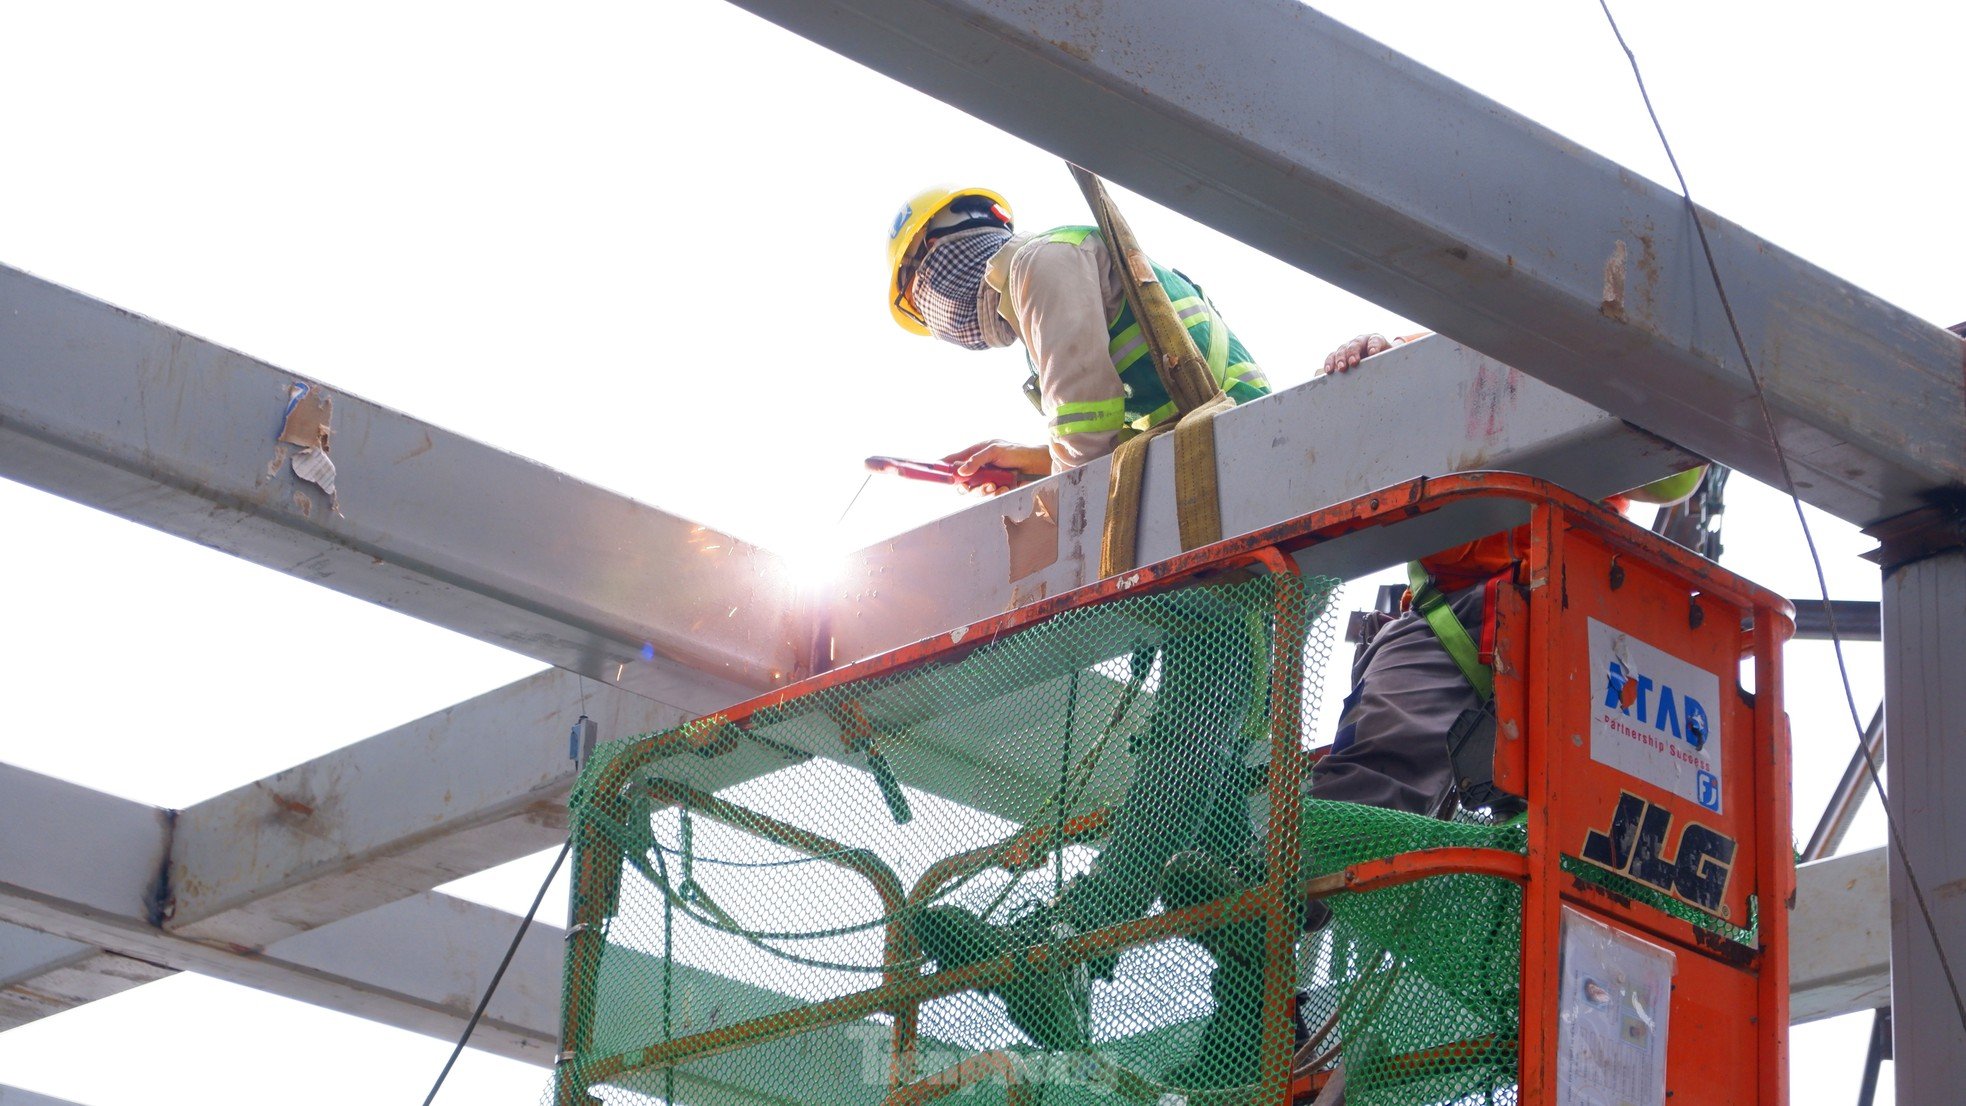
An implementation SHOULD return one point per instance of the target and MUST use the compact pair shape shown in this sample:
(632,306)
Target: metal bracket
(1936,528)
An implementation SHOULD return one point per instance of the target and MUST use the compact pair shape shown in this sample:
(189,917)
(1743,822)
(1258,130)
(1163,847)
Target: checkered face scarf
(949,283)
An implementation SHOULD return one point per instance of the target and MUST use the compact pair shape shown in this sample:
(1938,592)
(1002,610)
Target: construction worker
(1421,678)
(959,272)
(1419,673)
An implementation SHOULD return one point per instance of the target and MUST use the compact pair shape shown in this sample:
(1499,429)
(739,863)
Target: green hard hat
(1673,489)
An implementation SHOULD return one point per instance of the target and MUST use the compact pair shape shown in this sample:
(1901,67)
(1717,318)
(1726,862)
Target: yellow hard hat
(907,233)
(1672,490)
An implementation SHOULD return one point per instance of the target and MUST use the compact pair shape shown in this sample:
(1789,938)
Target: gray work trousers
(1190,787)
(1391,747)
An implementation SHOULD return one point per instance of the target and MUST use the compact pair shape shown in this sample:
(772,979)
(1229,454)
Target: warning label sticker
(1651,716)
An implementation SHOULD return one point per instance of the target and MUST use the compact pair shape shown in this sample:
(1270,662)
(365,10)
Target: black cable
(1788,485)
(500,973)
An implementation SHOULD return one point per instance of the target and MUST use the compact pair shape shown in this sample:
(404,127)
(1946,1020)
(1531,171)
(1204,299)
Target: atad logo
(1648,702)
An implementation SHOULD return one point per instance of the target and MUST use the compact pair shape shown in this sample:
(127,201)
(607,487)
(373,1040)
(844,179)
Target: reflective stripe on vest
(1093,416)
(1146,402)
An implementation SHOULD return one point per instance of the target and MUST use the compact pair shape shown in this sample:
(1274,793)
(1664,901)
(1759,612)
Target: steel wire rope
(724,862)
(1808,537)
(511,950)
(1385,975)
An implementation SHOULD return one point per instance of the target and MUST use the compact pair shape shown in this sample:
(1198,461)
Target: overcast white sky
(641,242)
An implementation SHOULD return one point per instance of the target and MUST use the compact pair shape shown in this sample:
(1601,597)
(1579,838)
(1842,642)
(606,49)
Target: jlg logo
(1636,846)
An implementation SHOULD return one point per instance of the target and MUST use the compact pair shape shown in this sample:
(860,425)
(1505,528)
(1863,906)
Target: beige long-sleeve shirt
(1059,297)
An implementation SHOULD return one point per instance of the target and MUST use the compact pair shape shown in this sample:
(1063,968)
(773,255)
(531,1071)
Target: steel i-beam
(1477,222)
(164,428)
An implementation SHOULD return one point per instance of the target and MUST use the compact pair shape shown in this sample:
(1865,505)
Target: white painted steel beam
(421,962)
(1839,956)
(1477,222)
(14,1096)
(164,428)
(485,781)
(476,785)
(1840,937)
(41,974)
(1426,408)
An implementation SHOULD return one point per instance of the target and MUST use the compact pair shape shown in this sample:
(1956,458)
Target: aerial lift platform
(1621,939)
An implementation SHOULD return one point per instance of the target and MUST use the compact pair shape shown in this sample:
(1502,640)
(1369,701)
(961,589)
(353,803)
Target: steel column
(1925,746)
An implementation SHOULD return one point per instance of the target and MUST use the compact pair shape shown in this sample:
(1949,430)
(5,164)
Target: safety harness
(1454,637)
(1471,739)
(1194,390)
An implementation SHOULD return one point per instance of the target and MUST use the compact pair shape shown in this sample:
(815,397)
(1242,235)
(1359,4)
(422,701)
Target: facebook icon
(1709,791)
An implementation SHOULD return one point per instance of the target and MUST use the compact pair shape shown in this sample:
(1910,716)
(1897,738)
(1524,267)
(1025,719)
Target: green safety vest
(1145,402)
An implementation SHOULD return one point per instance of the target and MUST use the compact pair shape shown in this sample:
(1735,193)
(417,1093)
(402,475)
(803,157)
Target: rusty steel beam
(1475,221)
(161,427)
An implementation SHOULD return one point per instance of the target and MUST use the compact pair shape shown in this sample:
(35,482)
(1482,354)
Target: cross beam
(1337,155)
(420,963)
(115,411)
(273,884)
(1426,407)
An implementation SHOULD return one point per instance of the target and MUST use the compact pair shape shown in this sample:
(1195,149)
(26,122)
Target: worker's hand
(1029,462)
(1351,353)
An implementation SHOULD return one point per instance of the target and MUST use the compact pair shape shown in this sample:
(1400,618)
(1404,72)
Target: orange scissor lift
(1638,713)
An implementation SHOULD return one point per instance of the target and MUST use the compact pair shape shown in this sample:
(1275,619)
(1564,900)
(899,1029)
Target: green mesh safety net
(1039,869)
(1748,934)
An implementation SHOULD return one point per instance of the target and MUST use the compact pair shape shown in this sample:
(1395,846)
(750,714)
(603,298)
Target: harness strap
(1184,373)
(1454,637)
(1197,488)
(1119,539)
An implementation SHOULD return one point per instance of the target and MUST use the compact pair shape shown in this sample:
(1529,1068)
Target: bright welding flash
(813,568)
